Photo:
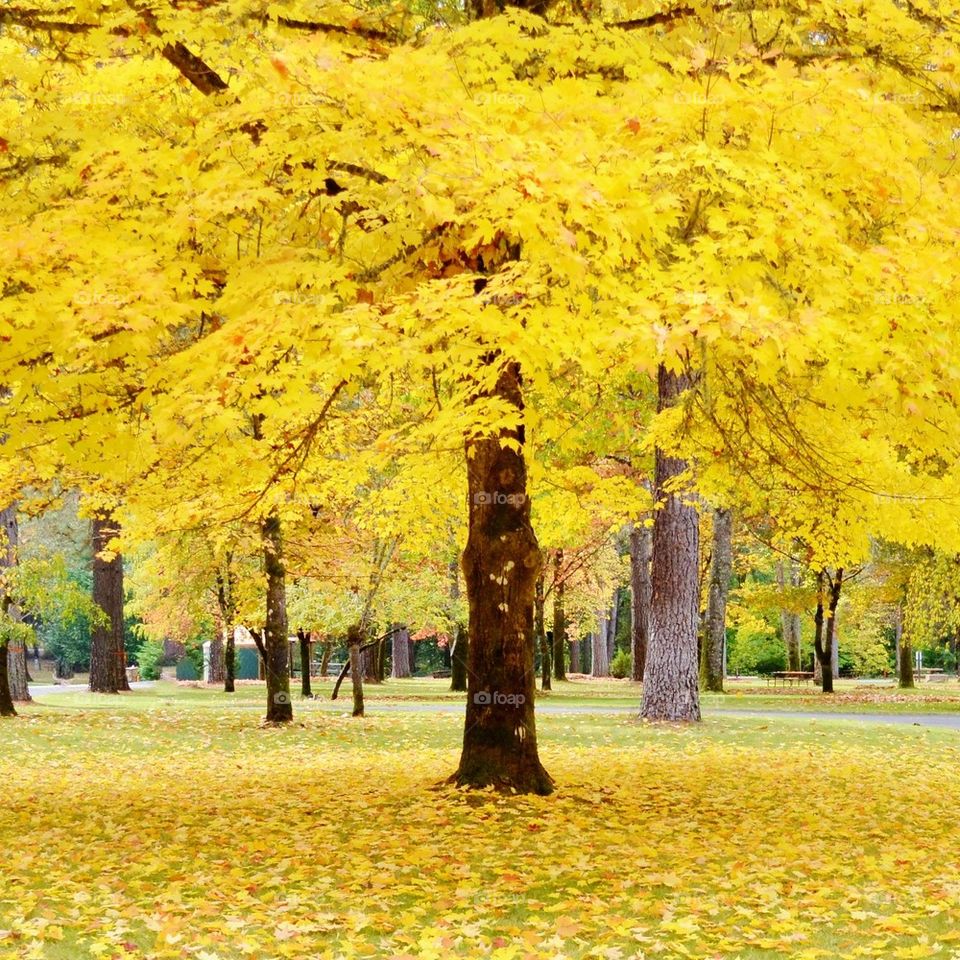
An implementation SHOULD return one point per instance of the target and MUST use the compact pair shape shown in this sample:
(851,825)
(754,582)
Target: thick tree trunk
(501,564)
(559,621)
(108,662)
(354,642)
(575,659)
(369,661)
(641,548)
(304,639)
(6,701)
(823,625)
(276,643)
(721,569)
(17,674)
(539,629)
(600,648)
(671,676)
(216,657)
(400,652)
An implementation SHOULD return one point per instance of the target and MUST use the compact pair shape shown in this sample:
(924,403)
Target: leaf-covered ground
(144,830)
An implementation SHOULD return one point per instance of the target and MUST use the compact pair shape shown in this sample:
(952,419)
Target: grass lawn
(168,823)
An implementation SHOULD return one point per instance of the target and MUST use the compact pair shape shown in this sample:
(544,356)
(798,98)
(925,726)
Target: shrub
(150,659)
(622,664)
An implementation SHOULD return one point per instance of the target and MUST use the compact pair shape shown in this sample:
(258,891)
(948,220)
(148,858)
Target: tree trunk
(835,647)
(325,656)
(612,631)
(276,643)
(539,629)
(369,661)
(304,638)
(501,564)
(721,569)
(575,664)
(600,649)
(400,652)
(15,654)
(789,620)
(641,548)
(354,642)
(227,608)
(108,662)
(216,657)
(823,625)
(904,654)
(671,676)
(559,621)
(6,702)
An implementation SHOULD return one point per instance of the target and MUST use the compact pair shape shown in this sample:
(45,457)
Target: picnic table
(790,677)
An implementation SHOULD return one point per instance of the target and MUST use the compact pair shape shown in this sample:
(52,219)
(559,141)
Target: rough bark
(539,630)
(641,548)
(789,575)
(400,652)
(559,621)
(721,569)
(501,564)
(600,649)
(17,674)
(828,596)
(276,644)
(304,639)
(671,675)
(216,656)
(354,642)
(575,658)
(614,620)
(108,662)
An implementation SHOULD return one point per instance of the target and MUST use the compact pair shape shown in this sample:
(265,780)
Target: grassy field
(167,823)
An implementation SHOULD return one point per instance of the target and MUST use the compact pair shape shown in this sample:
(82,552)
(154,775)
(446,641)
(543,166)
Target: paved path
(950,721)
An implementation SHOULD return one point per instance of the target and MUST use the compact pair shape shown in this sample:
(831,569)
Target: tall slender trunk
(828,589)
(835,646)
(228,613)
(108,662)
(904,653)
(641,548)
(559,620)
(600,648)
(276,644)
(575,658)
(613,621)
(539,629)
(789,575)
(458,661)
(304,638)
(354,642)
(400,651)
(501,564)
(671,676)
(721,569)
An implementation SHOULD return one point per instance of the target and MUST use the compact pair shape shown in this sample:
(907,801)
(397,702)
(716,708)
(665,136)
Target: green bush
(150,659)
(622,665)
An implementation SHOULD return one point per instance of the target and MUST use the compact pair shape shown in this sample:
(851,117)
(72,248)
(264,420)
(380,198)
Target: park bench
(790,677)
(441,674)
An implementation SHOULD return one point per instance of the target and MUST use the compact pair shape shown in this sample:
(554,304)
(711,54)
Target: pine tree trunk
(671,688)
(721,569)
(276,643)
(6,701)
(559,621)
(501,564)
(458,662)
(641,548)
(400,652)
(612,632)
(354,642)
(575,660)
(304,639)
(539,629)
(108,662)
